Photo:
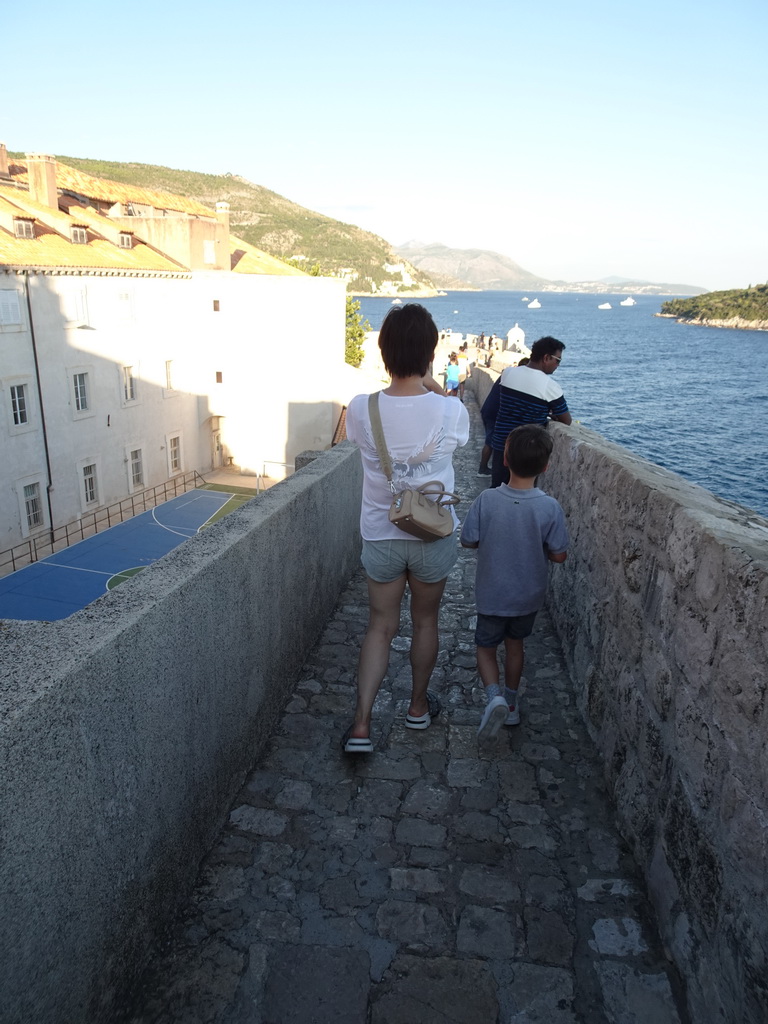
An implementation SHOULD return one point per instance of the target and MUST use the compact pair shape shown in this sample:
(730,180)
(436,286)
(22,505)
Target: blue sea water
(691,399)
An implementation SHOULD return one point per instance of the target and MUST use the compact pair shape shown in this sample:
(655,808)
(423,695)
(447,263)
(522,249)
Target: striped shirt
(526,396)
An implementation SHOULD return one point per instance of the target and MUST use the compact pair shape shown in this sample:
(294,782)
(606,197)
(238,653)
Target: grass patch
(234,502)
(251,491)
(121,577)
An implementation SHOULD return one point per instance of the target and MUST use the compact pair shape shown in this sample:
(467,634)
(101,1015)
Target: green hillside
(746,303)
(273,223)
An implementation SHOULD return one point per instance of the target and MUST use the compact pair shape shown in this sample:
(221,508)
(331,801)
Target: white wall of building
(276,343)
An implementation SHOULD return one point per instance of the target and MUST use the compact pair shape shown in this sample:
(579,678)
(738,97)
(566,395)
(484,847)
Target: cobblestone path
(432,882)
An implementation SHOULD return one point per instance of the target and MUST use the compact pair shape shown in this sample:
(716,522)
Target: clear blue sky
(580,139)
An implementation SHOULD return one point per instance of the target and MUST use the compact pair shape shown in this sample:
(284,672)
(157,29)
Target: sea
(692,399)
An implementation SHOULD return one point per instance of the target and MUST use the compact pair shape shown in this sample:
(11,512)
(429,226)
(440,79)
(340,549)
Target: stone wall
(126,731)
(662,609)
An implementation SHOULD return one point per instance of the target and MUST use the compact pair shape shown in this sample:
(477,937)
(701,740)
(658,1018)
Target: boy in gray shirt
(518,530)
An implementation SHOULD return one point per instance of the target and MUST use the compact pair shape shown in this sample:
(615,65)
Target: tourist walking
(421,430)
(518,530)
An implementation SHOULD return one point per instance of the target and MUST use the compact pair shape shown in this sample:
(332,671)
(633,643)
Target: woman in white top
(422,429)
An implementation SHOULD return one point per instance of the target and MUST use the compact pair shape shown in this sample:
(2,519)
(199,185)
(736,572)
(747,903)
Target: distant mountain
(478,268)
(492,271)
(279,227)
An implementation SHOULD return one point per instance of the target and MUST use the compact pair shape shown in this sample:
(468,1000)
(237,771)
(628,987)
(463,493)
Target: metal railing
(35,548)
(263,480)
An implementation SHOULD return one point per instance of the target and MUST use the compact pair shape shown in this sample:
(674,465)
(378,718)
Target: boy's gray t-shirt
(512,528)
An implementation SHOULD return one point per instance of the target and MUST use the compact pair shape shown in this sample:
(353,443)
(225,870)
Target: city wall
(126,731)
(662,609)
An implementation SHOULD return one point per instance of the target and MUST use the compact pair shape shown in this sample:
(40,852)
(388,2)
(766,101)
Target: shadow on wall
(126,731)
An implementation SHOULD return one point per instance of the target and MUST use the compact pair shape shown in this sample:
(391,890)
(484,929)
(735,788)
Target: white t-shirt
(421,433)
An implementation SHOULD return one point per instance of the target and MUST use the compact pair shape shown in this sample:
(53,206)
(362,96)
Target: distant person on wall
(518,530)
(452,375)
(528,395)
(421,431)
(464,371)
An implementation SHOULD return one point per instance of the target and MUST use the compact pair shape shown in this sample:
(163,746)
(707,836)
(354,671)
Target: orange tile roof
(247,259)
(107,191)
(51,246)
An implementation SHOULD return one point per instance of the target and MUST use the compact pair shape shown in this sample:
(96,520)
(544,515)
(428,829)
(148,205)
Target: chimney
(222,215)
(4,172)
(42,179)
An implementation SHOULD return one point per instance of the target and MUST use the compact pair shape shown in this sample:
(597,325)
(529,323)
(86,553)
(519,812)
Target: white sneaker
(513,715)
(494,716)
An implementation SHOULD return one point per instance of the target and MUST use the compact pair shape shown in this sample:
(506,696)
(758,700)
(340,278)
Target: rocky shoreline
(735,322)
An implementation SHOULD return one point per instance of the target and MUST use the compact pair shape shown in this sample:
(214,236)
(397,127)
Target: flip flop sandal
(424,721)
(356,744)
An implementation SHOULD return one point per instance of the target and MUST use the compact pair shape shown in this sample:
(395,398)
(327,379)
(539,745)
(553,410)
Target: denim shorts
(428,561)
(491,630)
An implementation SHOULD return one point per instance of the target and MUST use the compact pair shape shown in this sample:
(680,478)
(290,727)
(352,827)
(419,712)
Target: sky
(581,140)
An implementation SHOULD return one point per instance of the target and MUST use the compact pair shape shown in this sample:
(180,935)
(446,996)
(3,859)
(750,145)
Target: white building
(129,352)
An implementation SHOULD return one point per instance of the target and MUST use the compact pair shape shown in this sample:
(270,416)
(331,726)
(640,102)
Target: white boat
(397,302)
(525,299)
(534,305)
(605,305)
(629,301)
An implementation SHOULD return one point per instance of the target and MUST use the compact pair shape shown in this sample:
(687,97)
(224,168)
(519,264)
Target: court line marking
(77,568)
(195,530)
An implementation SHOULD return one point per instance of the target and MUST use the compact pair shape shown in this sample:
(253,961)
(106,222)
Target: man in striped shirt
(528,395)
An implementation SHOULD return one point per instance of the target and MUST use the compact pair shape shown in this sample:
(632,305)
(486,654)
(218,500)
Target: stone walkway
(432,882)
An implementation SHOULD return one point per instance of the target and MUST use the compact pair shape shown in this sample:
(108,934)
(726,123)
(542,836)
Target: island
(742,308)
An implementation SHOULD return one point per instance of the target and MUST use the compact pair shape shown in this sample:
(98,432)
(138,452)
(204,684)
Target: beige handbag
(422,512)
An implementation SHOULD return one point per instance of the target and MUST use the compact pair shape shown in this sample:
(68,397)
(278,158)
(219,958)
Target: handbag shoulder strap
(378,436)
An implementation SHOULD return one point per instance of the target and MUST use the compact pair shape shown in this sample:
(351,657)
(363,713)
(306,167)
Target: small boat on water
(525,299)
(397,302)
(534,305)
(605,305)
(629,301)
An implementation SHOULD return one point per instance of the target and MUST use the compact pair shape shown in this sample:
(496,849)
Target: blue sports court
(67,581)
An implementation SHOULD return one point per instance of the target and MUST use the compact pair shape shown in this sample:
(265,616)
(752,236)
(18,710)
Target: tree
(355,334)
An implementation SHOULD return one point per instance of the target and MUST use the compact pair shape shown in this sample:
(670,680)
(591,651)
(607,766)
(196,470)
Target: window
(219,377)
(137,470)
(169,375)
(89,484)
(174,454)
(10,313)
(125,305)
(216,306)
(79,236)
(75,306)
(129,384)
(23,228)
(81,391)
(19,405)
(32,506)
(126,240)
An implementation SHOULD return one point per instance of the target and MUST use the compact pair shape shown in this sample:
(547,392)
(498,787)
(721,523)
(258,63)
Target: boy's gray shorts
(491,630)
(429,561)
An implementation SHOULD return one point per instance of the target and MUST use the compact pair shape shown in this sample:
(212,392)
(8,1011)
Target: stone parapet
(662,608)
(127,729)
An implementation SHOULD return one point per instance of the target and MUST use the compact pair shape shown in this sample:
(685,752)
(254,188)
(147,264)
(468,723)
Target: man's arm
(466,544)
(559,556)
(564,417)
